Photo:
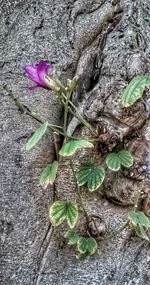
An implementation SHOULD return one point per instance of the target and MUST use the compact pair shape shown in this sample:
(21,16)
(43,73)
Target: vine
(91,174)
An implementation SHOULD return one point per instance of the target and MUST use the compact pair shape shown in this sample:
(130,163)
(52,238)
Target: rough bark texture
(106,43)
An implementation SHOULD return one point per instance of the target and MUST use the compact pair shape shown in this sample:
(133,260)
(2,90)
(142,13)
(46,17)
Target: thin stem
(51,126)
(66,113)
(81,120)
(79,116)
(62,87)
(118,232)
(25,110)
(78,190)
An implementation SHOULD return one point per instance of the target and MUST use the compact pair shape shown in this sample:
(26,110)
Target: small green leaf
(58,213)
(148,81)
(61,211)
(115,160)
(126,159)
(72,214)
(92,245)
(36,136)
(91,174)
(141,232)
(135,90)
(48,175)
(139,218)
(71,236)
(70,148)
(144,220)
(87,245)
(82,245)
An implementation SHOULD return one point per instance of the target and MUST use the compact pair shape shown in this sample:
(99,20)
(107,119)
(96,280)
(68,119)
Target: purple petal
(31,70)
(42,71)
(38,72)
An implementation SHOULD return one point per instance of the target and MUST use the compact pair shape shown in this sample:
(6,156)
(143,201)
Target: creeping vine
(91,174)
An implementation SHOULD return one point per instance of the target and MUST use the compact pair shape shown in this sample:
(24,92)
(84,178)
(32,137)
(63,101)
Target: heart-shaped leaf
(135,90)
(115,160)
(87,245)
(140,231)
(91,174)
(48,175)
(70,148)
(139,218)
(62,210)
(36,136)
(126,158)
(71,236)
(139,222)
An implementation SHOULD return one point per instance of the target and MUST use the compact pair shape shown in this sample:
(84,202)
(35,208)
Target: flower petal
(31,70)
(38,73)
(42,71)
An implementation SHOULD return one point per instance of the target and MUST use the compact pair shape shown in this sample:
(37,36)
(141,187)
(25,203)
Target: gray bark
(106,43)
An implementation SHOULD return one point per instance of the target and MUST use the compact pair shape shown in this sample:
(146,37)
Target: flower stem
(78,115)
(25,110)
(78,190)
(66,113)
(118,231)
(81,120)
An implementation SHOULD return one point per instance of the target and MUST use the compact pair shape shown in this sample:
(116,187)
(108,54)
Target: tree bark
(106,43)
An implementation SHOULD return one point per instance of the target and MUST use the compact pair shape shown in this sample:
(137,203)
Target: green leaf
(91,174)
(48,175)
(115,160)
(87,245)
(82,245)
(70,148)
(139,218)
(58,213)
(36,136)
(144,220)
(62,210)
(139,221)
(126,158)
(135,90)
(141,232)
(71,236)
(92,245)
(72,214)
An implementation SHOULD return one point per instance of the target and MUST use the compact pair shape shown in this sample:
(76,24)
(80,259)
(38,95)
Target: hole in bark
(131,46)
(121,36)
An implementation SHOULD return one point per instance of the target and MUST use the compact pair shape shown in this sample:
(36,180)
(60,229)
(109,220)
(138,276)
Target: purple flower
(38,74)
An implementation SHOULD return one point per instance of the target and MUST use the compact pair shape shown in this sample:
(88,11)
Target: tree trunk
(107,44)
